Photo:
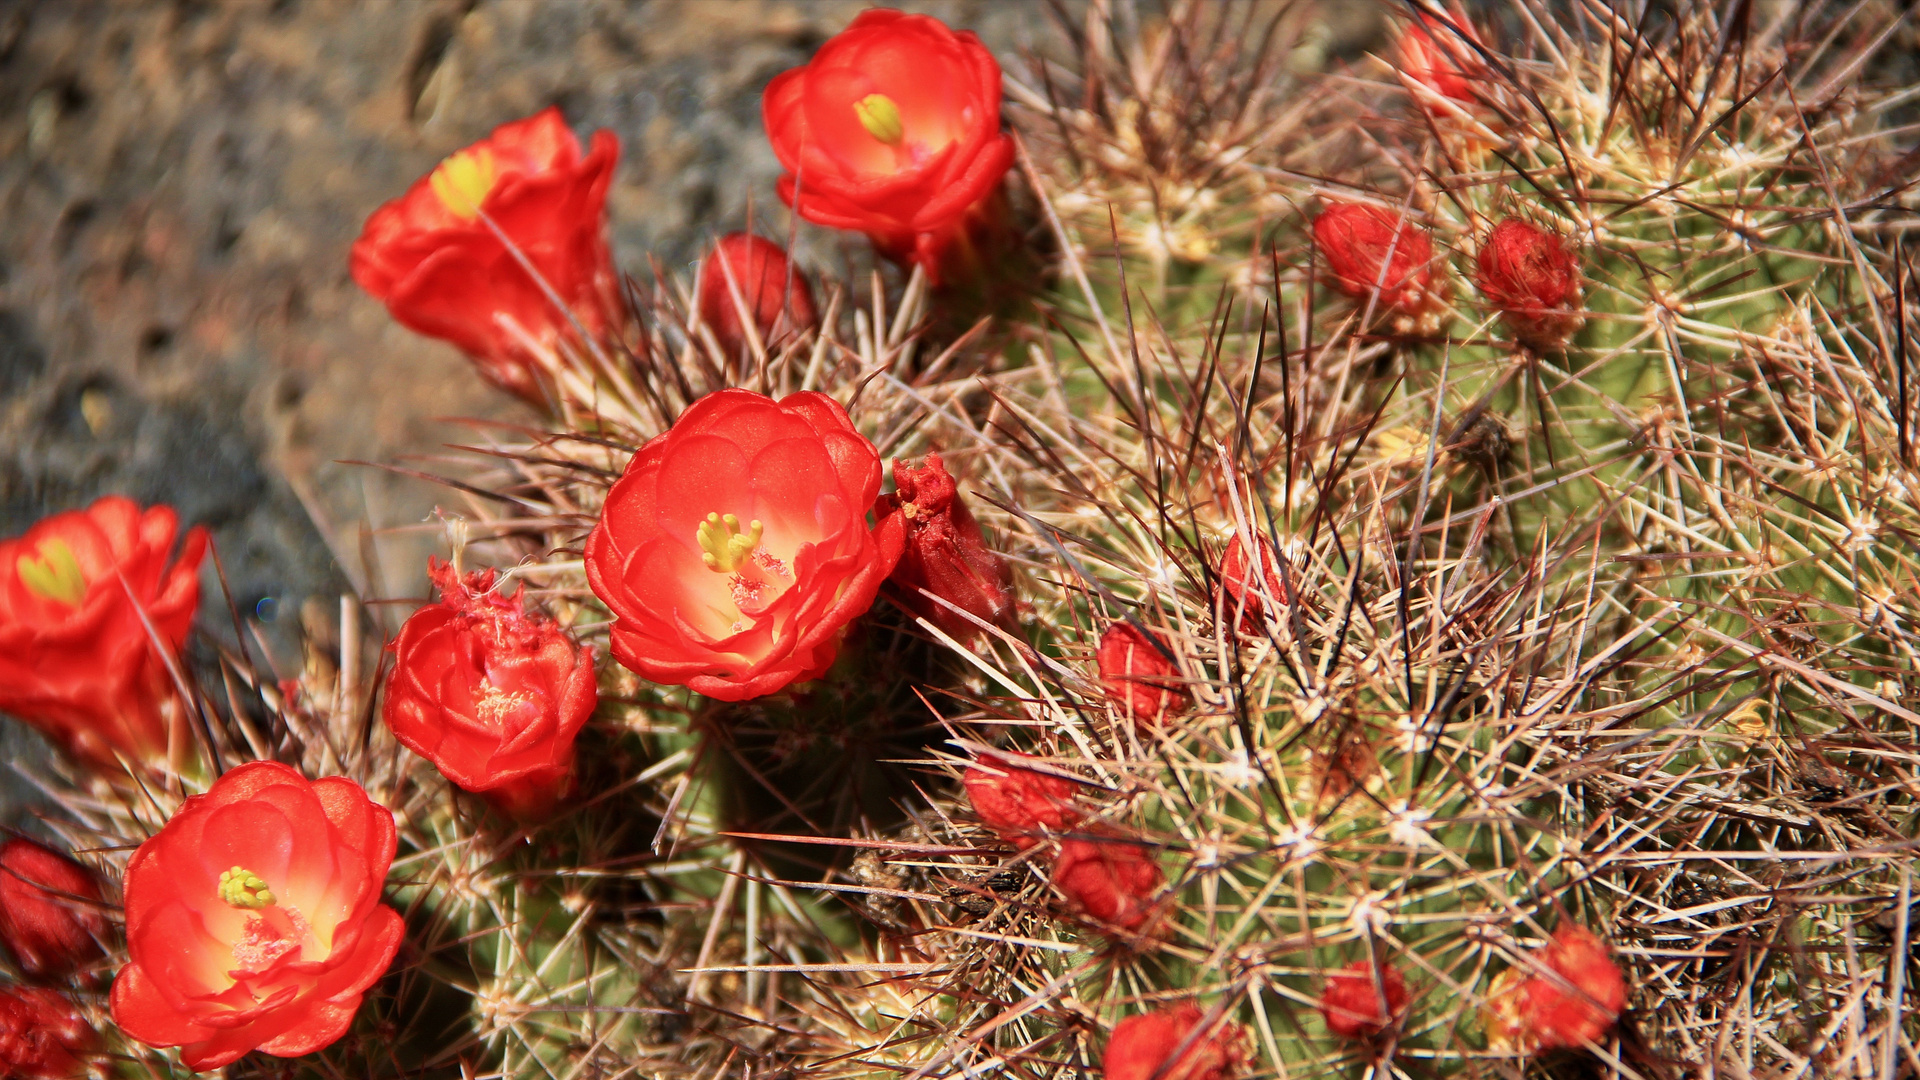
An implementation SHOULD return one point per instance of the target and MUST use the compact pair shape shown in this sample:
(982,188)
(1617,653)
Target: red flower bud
(47,915)
(1139,680)
(433,255)
(1017,803)
(893,130)
(76,659)
(1530,275)
(735,549)
(42,1036)
(1353,1005)
(1143,1047)
(1368,248)
(1569,995)
(254,919)
(1110,881)
(1245,597)
(490,694)
(1435,58)
(945,552)
(766,282)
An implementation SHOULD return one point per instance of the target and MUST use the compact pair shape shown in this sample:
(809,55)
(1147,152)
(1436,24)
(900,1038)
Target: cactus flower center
(724,548)
(55,575)
(881,117)
(242,888)
(463,181)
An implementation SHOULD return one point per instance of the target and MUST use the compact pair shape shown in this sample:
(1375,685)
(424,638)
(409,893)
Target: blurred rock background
(179,186)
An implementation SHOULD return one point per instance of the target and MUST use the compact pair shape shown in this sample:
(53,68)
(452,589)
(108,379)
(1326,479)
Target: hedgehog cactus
(1437,575)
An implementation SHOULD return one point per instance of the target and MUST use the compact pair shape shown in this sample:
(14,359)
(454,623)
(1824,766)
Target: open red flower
(49,916)
(1111,881)
(1357,1005)
(945,554)
(1245,597)
(1370,248)
(1569,996)
(254,919)
(735,549)
(490,694)
(1533,278)
(1143,1047)
(433,258)
(1017,803)
(892,130)
(760,275)
(76,660)
(1138,678)
(42,1036)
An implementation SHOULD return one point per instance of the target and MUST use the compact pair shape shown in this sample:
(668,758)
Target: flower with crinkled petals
(1435,59)
(491,694)
(946,554)
(77,659)
(49,917)
(1137,675)
(1533,278)
(1018,803)
(735,549)
(1143,1047)
(1361,999)
(42,1036)
(1370,249)
(434,258)
(1568,995)
(893,130)
(254,919)
(1112,881)
(758,273)
(1246,599)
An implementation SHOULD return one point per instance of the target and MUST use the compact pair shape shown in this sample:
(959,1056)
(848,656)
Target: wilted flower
(1437,60)
(491,694)
(1357,1005)
(42,1036)
(1244,596)
(254,919)
(735,549)
(1569,995)
(765,280)
(76,659)
(434,257)
(945,552)
(1531,276)
(1111,881)
(48,918)
(1143,1047)
(1017,803)
(1369,248)
(893,130)
(1138,678)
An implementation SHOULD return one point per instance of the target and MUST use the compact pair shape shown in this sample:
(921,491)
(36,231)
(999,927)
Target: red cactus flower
(48,915)
(1143,1047)
(76,658)
(254,919)
(1110,881)
(735,550)
(433,255)
(490,694)
(1241,595)
(1434,58)
(1369,248)
(1532,277)
(892,130)
(762,276)
(945,554)
(42,1036)
(1139,680)
(1019,803)
(1356,1006)
(1569,996)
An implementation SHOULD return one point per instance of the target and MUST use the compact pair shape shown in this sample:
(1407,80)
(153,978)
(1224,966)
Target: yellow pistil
(881,117)
(723,547)
(242,888)
(463,181)
(55,575)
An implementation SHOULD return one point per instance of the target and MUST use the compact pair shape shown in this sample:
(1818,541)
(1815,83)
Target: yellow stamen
(463,181)
(243,888)
(723,546)
(881,117)
(55,575)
